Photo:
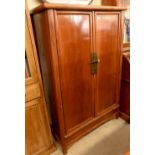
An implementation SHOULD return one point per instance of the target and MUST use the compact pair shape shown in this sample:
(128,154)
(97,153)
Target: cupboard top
(45,6)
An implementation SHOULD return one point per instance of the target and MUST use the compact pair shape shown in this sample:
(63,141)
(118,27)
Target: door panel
(74,38)
(106,45)
(37,138)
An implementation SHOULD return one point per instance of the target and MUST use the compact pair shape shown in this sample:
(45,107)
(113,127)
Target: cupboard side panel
(45,37)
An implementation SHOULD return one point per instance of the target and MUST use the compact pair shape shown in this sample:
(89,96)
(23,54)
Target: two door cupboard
(80,56)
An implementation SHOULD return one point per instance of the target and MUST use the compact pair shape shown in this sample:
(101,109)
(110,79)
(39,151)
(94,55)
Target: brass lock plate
(94,61)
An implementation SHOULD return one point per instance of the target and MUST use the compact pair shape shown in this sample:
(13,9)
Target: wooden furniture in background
(112,2)
(125,84)
(128,153)
(80,55)
(83,2)
(126,47)
(38,136)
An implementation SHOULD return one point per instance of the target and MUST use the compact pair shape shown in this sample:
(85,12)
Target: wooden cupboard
(80,55)
(37,130)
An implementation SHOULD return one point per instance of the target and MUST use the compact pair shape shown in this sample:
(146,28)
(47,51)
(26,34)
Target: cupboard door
(107,47)
(74,38)
(37,135)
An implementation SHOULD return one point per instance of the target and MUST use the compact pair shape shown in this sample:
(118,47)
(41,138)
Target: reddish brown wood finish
(65,40)
(107,47)
(112,2)
(125,88)
(126,47)
(45,6)
(74,29)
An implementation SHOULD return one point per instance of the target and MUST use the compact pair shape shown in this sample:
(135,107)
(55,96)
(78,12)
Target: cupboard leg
(64,149)
(117,114)
(128,121)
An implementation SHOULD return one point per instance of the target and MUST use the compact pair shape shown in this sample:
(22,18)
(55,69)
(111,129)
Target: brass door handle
(94,61)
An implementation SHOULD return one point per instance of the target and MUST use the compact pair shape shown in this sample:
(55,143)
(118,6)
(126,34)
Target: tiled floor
(112,138)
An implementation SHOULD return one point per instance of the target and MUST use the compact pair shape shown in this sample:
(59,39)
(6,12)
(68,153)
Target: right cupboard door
(107,46)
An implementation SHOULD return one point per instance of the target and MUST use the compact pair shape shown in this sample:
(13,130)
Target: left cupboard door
(74,38)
